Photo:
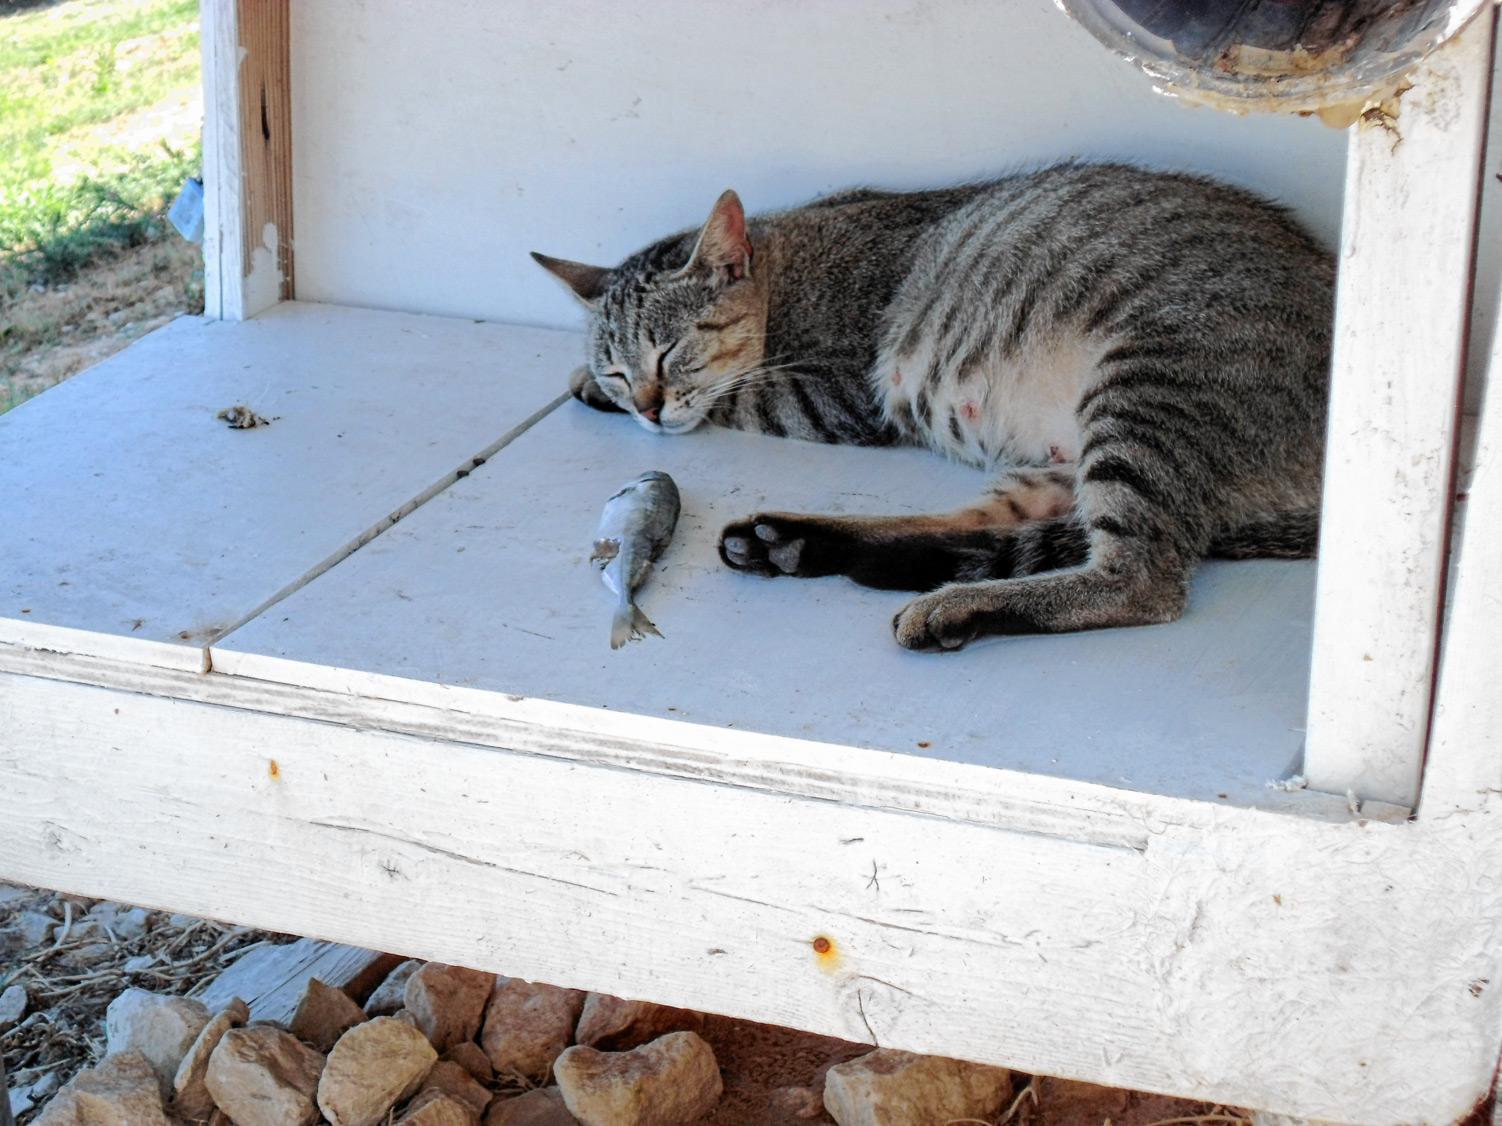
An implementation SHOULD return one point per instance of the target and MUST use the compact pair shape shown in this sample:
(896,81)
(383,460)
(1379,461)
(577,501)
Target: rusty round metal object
(1295,56)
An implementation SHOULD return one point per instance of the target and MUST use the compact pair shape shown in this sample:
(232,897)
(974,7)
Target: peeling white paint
(263,281)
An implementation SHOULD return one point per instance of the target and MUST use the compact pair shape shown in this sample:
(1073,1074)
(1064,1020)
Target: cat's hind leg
(1089,579)
(901,552)
(1140,526)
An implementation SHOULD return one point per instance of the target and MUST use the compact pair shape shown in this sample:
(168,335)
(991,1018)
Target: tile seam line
(375,530)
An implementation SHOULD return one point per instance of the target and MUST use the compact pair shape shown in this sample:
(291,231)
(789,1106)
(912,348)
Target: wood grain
(1337,971)
(1405,269)
(1465,748)
(248,233)
(272,979)
(266,137)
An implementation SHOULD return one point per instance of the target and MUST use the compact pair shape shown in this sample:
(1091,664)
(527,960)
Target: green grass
(68,188)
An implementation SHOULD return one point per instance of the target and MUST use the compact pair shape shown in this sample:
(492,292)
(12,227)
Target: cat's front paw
(771,544)
(943,620)
(583,386)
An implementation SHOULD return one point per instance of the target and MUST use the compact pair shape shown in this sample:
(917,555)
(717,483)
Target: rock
(451,1078)
(473,1059)
(893,1088)
(190,1092)
(13,1004)
(542,1107)
(121,1091)
(391,994)
(433,1107)
(32,927)
(139,962)
(373,1067)
(324,1014)
(84,957)
(264,1077)
(20,1101)
(125,923)
(159,1027)
(671,1081)
(182,922)
(800,1102)
(527,1026)
(45,1086)
(1065,1100)
(613,1024)
(448,1002)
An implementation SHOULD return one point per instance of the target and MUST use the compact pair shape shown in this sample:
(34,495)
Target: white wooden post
(247,156)
(1405,268)
(1465,748)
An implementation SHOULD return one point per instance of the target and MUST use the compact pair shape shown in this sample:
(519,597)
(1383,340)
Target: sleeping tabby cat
(1140,356)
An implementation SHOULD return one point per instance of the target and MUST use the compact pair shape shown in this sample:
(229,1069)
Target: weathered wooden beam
(272,980)
(1465,748)
(247,158)
(1337,971)
(1405,269)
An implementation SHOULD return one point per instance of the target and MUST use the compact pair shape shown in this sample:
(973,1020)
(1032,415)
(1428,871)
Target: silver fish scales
(635,528)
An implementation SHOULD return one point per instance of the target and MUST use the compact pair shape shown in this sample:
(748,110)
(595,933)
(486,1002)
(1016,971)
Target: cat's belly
(992,410)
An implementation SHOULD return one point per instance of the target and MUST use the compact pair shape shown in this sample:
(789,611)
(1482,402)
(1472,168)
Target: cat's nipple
(896,377)
(970,410)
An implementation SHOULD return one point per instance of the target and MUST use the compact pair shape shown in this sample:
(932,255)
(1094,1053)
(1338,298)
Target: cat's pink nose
(651,413)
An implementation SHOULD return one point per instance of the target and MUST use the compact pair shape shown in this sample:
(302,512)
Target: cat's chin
(673,427)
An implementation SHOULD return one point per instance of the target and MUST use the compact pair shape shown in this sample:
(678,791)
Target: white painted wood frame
(247,156)
(1335,970)
(1412,193)
(1306,960)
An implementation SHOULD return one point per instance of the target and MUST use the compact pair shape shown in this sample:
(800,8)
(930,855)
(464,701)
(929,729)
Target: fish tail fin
(629,624)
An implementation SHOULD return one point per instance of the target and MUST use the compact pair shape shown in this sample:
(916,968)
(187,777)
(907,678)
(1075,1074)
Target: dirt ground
(73,974)
(49,333)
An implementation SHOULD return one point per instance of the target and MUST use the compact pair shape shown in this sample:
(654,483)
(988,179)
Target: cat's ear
(587,282)
(723,243)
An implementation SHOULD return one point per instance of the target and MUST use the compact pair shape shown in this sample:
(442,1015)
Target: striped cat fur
(1141,357)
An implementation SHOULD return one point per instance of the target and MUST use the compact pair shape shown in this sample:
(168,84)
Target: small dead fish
(635,527)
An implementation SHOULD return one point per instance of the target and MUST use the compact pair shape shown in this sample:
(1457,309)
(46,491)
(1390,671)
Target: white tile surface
(130,509)
(489,585)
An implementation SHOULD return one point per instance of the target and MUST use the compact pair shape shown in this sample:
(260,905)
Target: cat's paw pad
(941,620)
(763,546)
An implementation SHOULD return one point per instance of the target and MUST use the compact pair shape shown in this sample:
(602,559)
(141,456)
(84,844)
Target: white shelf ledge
(131,510)
(490,586)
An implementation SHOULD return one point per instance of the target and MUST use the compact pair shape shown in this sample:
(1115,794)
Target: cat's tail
(1286,535)
(629,624)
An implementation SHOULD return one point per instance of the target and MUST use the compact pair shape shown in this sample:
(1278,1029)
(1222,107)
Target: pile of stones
(439,1045)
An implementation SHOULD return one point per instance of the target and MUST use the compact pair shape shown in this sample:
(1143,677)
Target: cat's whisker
(749,377)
